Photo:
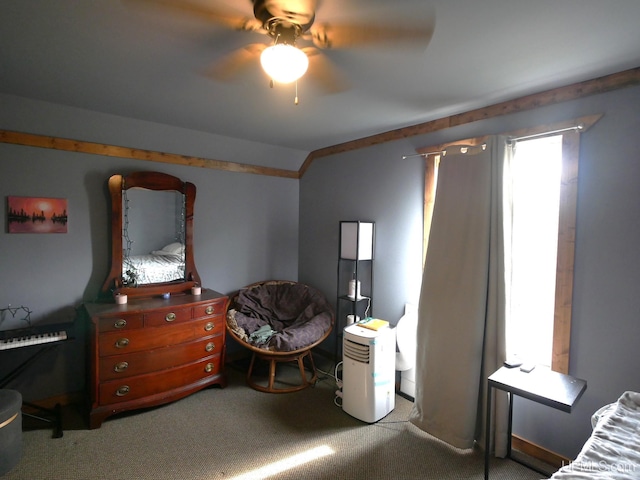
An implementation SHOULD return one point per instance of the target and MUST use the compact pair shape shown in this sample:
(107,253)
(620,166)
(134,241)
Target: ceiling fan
(296,41)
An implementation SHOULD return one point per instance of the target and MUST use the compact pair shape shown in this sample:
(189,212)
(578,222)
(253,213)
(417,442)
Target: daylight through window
(535,172)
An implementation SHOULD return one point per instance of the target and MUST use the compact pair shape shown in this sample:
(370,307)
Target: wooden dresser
(152,351)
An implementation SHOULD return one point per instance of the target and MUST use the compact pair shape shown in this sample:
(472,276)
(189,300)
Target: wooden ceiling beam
(69,145)
(574,91)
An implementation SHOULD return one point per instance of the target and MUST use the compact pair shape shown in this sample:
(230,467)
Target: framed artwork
(37,215)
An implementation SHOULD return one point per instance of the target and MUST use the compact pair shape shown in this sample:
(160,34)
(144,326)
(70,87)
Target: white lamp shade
(284,63)
(356,240)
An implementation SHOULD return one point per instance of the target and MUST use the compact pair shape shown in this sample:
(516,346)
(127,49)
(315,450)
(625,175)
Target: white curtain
(461,334)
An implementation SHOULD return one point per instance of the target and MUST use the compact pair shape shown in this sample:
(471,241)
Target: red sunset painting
(37,215)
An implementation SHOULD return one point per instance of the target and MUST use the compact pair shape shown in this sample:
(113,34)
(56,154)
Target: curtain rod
(542,134)
(509,141)
(425,155)
(463,149)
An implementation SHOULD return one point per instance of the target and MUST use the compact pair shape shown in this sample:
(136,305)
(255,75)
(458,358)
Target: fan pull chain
(296,101)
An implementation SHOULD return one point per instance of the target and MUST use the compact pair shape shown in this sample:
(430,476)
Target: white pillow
(172,249)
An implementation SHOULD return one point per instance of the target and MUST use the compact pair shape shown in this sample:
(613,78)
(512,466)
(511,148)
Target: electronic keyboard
(35,335)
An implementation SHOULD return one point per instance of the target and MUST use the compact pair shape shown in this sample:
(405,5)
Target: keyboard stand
(46,415)
(4,381)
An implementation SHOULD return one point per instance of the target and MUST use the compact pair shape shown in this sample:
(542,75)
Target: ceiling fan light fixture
(284,63)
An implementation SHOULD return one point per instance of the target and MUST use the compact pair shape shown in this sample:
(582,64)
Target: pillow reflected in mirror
(175,248)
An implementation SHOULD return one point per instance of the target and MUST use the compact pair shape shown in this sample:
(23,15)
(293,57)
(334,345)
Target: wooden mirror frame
(151,181)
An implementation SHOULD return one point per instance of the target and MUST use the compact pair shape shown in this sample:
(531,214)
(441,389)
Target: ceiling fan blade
(345,35)
(225,17)
(236,62)
(323,71)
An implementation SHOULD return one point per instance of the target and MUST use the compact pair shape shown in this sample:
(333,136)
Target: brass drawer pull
(121,367)
(121,323)
(209,310)
(122,391)
(208,326)
(122,342)
(209,347)
(170,317)
(209,367)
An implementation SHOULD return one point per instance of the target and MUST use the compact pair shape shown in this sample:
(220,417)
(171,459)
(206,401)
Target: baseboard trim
(539,453)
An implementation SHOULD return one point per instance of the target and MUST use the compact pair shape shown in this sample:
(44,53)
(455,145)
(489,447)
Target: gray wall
(245,228)
(375,184)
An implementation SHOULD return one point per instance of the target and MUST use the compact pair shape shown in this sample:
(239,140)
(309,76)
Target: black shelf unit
(355,263)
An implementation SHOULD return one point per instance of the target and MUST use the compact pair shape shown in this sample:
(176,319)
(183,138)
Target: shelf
(355,263)
(352,299)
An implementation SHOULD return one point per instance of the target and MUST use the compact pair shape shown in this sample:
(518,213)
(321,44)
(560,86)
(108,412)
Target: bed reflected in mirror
(152,236)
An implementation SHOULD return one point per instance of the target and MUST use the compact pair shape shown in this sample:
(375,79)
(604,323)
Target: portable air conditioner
(368,372)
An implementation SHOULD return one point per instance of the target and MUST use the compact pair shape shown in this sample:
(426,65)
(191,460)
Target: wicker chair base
(273,359)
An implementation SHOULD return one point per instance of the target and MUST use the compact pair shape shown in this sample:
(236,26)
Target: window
(560,317)
(534,182)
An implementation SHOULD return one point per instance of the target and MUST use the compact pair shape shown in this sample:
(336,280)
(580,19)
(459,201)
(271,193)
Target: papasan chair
(280,321)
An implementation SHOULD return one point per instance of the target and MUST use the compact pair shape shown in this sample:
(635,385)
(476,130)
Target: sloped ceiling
(132,59)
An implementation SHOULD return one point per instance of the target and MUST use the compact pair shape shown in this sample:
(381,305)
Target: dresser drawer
(142,386)
(213,308)
(120,322)
(166,317)
(130,364)
(115,343)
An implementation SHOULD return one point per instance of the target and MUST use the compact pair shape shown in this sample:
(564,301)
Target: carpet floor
(238,433)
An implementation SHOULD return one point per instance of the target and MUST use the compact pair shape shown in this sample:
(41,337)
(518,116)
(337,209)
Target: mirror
(151,235)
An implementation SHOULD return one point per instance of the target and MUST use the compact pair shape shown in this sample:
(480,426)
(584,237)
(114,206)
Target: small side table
(541,385)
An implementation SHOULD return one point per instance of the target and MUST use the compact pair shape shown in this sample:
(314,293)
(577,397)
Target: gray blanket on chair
(298,314)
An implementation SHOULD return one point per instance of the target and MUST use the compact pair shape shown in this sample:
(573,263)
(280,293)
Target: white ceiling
(132,60)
